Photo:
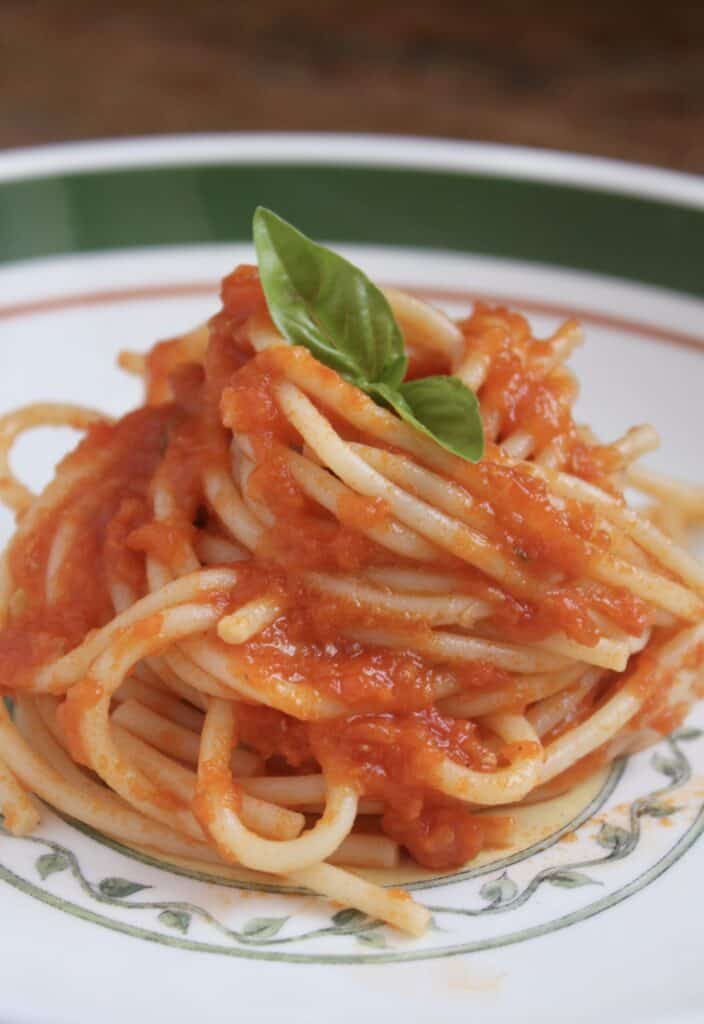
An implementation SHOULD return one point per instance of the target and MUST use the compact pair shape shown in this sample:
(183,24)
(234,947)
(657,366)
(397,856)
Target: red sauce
(248,406)
(426,363)
(305,645)
(359,513)
(80,698)
(214,783)
(442,838)
(389,733)
(569,609)
(162,360)
(524,519)
(98,506)
(305,536)
(122,562)
(545,536)
(667,719)
(649,681)
(593,463)
(23,651)
(241,293)
(317,543)
(386,755)
(524,397)
(273,484)
(180,474)
(276,737)
(165,541)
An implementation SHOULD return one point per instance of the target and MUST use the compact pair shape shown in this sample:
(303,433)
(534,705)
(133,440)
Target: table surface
(620,80)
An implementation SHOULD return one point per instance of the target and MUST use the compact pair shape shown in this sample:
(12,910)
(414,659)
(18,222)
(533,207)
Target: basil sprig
(321,301)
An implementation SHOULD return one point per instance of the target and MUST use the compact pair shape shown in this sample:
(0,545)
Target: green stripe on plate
(646,240)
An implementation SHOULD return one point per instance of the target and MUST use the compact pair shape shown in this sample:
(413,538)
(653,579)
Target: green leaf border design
(255,939)
(620,842)
(215,203)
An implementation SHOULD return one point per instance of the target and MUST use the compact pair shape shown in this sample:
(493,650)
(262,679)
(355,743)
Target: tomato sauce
(654,684)
(442,838)
(307,643)
(95,511)
(390,734)
(80,699)
(248,406)
(354,674)
(524,397)
(386,756)
(214,781)
(426,363)
(122,560)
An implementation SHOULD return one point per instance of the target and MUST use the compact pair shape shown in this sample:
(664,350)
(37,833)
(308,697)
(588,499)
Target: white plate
(115,245)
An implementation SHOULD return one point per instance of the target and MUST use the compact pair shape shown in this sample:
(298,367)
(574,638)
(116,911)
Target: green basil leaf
(320,300)
(443,408)
(394,373)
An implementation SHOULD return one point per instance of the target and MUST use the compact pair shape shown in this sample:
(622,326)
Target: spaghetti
(262,620)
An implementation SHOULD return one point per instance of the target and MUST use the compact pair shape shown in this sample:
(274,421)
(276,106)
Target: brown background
(619,79)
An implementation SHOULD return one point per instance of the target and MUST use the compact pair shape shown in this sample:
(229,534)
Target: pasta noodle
(262,610)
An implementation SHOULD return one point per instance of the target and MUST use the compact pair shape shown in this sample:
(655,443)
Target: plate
(595,912)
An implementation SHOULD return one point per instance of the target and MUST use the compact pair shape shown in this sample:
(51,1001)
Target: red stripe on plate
(177,291)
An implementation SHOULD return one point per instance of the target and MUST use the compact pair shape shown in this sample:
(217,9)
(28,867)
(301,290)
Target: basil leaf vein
(443,408)
(320,300)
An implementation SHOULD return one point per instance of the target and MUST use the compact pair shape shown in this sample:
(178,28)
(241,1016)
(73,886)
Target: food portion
(349,587)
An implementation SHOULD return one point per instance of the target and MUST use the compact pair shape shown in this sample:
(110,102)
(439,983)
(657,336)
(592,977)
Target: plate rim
(241,951)
(420,153)
(552,167)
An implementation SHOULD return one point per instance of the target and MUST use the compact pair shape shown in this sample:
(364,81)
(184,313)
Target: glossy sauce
(80,699)
(100,507)
(525,397)
(390,735)
(386,755)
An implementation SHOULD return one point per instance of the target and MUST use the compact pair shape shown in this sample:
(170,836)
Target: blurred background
(618,79)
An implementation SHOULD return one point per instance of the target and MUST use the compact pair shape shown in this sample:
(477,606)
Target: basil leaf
(443,408)
(320,300)
(394,373)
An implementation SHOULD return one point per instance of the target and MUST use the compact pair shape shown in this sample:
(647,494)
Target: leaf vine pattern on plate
(50,863)
(179,915)
(177,919)
(120,888)
(498,895)
(618,841)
